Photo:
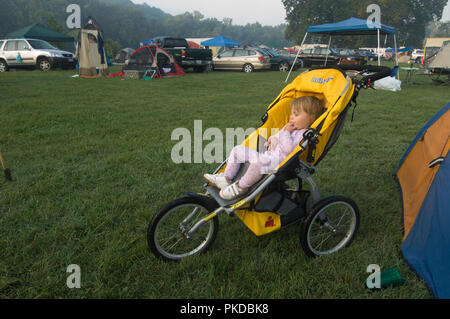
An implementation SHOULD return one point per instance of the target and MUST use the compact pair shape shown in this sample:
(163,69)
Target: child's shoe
(232,191)
(218,180)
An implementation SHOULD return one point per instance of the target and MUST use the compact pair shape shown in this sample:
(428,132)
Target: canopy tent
(220,41)
(424,179)
(351,26)
(38,31)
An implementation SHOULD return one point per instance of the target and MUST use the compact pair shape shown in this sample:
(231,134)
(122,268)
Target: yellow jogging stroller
(189,225)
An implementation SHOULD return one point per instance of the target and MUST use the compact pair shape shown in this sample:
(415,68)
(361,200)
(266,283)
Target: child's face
(300,119)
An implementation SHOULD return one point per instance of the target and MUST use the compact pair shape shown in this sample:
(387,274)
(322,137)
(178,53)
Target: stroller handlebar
(380,71)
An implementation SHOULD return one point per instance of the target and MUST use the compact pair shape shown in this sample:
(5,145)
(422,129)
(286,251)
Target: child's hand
(271,143)
(290,127)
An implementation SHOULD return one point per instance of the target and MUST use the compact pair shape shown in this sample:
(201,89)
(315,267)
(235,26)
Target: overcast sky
(266,12)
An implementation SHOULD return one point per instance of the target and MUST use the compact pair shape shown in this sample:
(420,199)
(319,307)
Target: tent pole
(396,56)
(296,57)
(378,36)
(328,49)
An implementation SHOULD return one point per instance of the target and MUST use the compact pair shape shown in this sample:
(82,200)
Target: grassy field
(91,163)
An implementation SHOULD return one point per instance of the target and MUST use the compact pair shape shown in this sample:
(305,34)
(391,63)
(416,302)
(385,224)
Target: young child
(304,111)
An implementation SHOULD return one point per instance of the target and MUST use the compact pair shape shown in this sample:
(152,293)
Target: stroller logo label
(270,222)
(322,81)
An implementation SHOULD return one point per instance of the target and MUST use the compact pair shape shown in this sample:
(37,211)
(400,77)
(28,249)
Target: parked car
(281,62)
(33,53)
(318,56)
(198,59)
(350,56)
(247,60)
(417,54)
(368,55)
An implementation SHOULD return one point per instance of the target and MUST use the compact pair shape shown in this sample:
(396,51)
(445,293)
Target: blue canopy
(220,41)
(352,26)
(401,50)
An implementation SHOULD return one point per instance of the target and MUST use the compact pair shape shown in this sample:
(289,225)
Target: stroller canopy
(151,57)
(424,178)
(330,85)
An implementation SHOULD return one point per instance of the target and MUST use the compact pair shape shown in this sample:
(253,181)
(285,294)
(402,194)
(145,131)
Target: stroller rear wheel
(329,226)
(168,237)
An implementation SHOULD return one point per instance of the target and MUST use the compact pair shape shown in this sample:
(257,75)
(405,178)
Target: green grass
(91,165)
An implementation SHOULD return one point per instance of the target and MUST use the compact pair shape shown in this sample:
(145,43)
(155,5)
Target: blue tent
(424,178)
(220,41)
(351,26)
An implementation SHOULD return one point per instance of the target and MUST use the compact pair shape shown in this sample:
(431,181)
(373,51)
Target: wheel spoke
(167,236)
(331,227)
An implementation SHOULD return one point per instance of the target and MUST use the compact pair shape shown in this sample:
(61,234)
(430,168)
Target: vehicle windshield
(39,45)
(333,51)
(175,43)
(274,53)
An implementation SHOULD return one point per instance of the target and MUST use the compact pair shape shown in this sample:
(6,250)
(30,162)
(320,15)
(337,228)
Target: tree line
(127,24)
(409,17)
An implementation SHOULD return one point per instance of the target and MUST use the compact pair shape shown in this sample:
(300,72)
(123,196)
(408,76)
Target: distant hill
(130,23)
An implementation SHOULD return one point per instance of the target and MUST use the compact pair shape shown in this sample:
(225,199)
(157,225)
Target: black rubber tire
(3,66)
(43,64)
(248,68)
(169,208)
(284,67)
(313,216)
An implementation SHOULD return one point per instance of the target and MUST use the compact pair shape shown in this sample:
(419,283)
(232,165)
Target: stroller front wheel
(168,233)
(330,226)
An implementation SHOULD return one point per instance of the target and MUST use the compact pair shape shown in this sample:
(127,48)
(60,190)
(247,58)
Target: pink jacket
(286,142)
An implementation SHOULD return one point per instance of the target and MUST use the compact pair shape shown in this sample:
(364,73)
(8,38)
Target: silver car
(246,60)
(33,52)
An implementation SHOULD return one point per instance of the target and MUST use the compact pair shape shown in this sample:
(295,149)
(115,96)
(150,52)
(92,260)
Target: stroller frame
(313,210)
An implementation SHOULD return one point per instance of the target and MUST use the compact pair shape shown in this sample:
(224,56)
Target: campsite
(116,174)
(87,177)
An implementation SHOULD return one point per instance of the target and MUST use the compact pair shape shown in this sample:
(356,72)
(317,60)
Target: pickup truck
(199,59)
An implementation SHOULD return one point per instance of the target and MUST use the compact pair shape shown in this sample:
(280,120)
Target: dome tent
(424,179)
(151,58)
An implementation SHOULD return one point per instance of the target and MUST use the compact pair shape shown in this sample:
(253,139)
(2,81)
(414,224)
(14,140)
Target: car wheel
(248,68)
(301,63)
(3,66)
(44,64)
(283,67)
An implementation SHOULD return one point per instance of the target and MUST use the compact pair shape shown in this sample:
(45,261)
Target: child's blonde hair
(309,104)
